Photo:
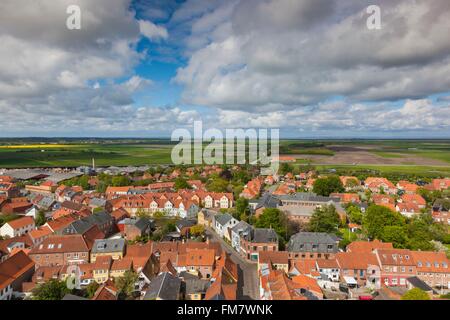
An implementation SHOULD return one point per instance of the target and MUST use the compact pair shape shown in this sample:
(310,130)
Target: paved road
(248,283)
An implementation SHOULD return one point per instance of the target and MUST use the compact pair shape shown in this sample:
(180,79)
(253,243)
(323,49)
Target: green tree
(377,217)
(354,214)
(275,219)
(415,294)
(324,219)
(197,230)
(50,290)
(91,289)
(327,185)
(181,183)
(126,284)
(217,185)
(395,234)
(120,181)
(242,206)
(40,219)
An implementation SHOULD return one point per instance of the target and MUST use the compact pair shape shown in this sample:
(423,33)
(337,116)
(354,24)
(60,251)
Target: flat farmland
(388,155)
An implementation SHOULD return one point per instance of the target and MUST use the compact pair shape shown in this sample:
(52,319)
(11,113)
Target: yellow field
(36,146)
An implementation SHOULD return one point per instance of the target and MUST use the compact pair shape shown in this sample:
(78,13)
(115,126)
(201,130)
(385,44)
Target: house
(312,245)
(329,269)
(368,246)
(14,271)
(256,241)
(346,197)
(9,190)
(106,291)
(132,228)
(205,217)
(416,199)
(164,287)
(307,267)
(384,200)
(119,214)
(377,184)
(183,226)
(194,287)
(433,268)
(308,284)
(119,267)
(407,209)
(407,187)
(102,220)
(200,262)
(360,268)
(252,189)
(276,285)
(115,248)
(46,188)
(100,268)
(266,201)
(16,206)
(223,222)
(440,184)
(236,232)
(17,227)
(60,250)
(396,266)
(39,234)
(279,260)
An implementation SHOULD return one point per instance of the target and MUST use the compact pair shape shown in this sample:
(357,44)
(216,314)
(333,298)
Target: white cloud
(152,31)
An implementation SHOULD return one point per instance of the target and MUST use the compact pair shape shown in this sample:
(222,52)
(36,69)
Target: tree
(325,186)
(242,206)
(354,214)
(217,185)
(351,183)
(324,219)
(51,290)
(275,219)
(40,219)
(415,294)
(197,230)
(181,183)
(395,234)
(91,289)
(120,181)
(377,217)
(126,284)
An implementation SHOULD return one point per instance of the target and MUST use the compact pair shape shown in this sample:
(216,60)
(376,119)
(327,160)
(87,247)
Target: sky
(143,68)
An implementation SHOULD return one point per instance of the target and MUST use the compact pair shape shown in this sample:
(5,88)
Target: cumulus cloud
(299,53)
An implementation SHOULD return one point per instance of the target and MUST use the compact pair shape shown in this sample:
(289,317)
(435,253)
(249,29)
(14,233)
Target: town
(228,232)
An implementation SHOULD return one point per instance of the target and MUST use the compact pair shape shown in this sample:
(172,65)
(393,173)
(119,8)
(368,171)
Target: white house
(221,224)
(329,268)
(236,232)
(18,227)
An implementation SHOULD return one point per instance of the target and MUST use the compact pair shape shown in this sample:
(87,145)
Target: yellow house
(204,218)
(119,267)
(101,269)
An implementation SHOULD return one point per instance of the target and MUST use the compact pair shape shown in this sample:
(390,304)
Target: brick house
(432,268)
(61,250)
(17,227)
(396,266)
(256,241)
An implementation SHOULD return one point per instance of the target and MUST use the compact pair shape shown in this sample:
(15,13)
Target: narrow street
(248,286)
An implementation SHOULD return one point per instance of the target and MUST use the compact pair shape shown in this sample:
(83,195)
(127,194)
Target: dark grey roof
(307,196)
(84,224)
(46,202)
(268,201)
(223,218)
(185,223)
(262,235)
(165,287)
(108,245)
(98,202)
(196,285)
(304,241)
(144,223)
(241,226)
(71,205)
(417,283)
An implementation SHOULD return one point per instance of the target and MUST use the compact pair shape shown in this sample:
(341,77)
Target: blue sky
(143,68)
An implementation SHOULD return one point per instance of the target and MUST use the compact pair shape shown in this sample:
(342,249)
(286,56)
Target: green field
(17,153)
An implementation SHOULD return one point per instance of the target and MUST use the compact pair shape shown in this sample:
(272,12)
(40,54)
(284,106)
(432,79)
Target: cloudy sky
(143,68)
